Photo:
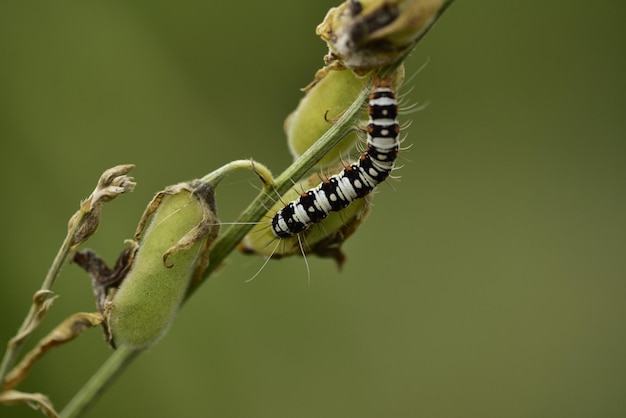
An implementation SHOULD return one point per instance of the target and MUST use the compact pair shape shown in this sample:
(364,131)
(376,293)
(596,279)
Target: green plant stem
(15,344)
(89,393)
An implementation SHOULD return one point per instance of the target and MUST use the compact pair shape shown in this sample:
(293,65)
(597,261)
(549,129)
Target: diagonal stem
(15,344)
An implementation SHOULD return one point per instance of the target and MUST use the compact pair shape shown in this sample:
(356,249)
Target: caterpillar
(356,180)
(324,239)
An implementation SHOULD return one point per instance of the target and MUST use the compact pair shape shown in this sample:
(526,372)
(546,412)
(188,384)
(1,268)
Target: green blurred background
(488,282)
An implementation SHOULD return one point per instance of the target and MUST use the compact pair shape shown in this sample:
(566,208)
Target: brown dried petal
(63,333)
(111,184)
(42,301)
(34,400)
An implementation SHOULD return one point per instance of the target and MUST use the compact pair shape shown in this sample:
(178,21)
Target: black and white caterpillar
(357,179)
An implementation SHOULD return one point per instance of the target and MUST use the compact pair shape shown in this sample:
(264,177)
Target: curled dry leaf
(63,333)
(34,400)
(42,301)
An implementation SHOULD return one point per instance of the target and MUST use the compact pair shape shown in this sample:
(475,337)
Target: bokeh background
(488,282)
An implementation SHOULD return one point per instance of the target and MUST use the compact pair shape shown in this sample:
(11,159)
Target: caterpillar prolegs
(356,180)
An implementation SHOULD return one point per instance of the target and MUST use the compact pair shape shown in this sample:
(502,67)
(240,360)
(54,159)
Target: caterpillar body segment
(323,239)
(332,91)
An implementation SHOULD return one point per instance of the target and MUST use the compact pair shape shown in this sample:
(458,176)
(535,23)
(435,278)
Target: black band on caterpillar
(356,180)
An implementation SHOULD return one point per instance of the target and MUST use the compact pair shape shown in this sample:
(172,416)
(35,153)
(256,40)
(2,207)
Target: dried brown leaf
(42,301)
(34,400)
(112,183)
(63,333)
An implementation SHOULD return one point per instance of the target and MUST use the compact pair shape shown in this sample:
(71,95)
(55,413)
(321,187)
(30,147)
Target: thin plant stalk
(82,225)
(15,344)
(95,387)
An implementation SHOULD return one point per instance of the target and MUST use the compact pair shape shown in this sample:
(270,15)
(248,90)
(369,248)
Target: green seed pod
(323,239)
(173,251)
(315,113)
(330,94)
